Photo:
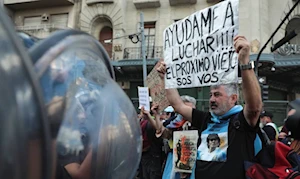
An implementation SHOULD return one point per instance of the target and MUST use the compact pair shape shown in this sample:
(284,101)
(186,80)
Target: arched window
(106,34)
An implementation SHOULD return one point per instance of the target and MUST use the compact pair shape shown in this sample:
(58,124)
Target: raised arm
(251,89)
(147,116)
(83,170)
(156,123)
(174,98)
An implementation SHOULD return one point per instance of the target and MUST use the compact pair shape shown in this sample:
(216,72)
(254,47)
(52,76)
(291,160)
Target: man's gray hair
(186,98)
(232,88)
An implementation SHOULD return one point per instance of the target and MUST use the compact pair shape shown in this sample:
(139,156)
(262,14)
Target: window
(32,21)
(106,33)
(59,20)
(149,29)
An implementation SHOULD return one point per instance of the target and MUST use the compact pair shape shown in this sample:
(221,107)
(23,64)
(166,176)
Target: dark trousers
(151,166)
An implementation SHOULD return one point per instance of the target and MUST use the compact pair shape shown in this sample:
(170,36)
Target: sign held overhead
(199,50)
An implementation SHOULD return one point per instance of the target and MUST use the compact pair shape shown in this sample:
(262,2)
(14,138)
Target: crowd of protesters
(232,130)
(230,134)
(157,128)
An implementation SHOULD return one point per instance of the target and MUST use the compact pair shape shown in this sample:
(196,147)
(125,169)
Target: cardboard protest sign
(143,93)
(157,89)
(185,150)
(199,51)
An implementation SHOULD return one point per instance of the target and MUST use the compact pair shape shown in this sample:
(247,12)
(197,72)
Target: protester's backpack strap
(264,137)
(259,142)
(235,122)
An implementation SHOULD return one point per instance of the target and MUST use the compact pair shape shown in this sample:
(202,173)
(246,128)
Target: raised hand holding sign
(198,50)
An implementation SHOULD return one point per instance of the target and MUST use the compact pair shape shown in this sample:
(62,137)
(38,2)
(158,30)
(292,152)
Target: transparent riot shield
(98,134)
(27,40)
(24,133)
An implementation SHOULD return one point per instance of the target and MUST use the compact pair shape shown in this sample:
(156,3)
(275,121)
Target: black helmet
(293,122)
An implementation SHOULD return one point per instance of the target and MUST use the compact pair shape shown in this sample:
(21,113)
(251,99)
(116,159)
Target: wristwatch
(248,66)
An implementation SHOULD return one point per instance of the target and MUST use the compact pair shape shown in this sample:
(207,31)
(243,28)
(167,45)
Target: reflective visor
(96,122)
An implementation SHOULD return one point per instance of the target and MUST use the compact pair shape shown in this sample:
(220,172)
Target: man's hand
(145,112)
(161,69)
(242,47)
(154,109)
(156,125)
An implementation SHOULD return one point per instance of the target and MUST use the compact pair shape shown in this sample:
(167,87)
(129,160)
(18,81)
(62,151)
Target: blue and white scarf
(234,110)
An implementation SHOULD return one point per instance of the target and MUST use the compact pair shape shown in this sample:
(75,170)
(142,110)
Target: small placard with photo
(185,150)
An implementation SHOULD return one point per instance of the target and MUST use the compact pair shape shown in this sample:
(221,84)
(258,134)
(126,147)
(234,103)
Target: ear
(234,98)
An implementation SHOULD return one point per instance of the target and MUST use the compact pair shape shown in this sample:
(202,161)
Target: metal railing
(41,27)
(136,52)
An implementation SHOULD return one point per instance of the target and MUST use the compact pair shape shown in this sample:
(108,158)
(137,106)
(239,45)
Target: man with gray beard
(236,126)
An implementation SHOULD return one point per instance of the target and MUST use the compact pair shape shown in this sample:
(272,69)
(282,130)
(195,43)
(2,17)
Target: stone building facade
(40,17)
(116,24)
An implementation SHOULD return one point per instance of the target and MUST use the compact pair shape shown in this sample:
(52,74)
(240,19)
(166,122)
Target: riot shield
(24,131)
(93,121)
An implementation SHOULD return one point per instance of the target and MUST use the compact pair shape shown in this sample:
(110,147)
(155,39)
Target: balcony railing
(136,52)
(41,27)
